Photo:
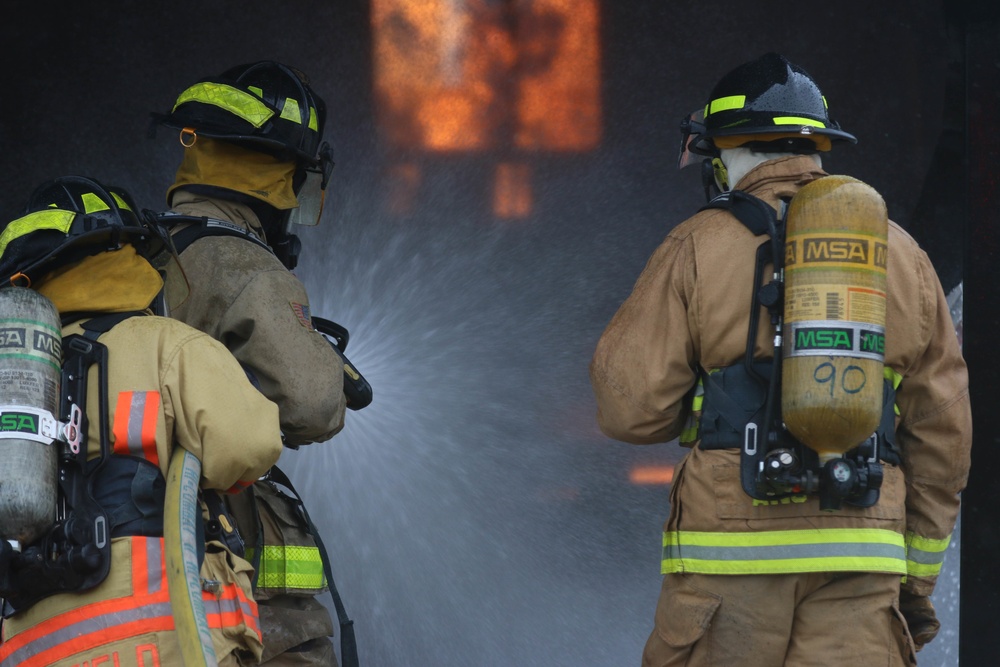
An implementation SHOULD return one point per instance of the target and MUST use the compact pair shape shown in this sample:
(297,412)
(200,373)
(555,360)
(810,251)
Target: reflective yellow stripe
(291,113)
(92,203)
(290,567)
(895,378)
(233,100)
(795,120)
(925,556)
(690,432)
(726,104)
(892,376)
(785,551)
(53,219)
(290,110)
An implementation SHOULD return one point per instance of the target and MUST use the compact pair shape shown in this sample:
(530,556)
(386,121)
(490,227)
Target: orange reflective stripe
(239,487)
(136,415)
(79,643)
(120,427)
(231,608)
(98,623)
(147,610)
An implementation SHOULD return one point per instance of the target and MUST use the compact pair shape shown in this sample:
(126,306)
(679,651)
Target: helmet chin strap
(708,178)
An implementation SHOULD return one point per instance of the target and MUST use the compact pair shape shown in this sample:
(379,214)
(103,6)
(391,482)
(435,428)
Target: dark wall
(81,80)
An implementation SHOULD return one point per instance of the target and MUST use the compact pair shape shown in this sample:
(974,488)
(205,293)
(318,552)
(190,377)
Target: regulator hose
(180,538)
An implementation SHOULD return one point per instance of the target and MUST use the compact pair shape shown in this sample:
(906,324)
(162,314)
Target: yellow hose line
(181,546)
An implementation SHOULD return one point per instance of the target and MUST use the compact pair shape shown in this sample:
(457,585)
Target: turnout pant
(794,620)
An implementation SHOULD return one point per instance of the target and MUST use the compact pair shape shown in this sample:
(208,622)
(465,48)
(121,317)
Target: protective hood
(109,282)
(221,164)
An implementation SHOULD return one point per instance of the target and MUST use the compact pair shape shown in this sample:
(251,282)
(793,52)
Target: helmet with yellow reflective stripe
(67,219)
(768,104)
(264,106)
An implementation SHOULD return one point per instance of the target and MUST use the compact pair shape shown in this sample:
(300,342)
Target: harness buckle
(750,439)
(73,430)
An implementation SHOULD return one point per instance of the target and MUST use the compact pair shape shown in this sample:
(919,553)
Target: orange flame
(476,75)
(512,196)
(651,474)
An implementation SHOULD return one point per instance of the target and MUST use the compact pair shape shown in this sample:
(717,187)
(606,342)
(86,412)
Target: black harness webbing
(348,643)
(131,490)
(732,399)
(201,227)
(75,554)
(754,213)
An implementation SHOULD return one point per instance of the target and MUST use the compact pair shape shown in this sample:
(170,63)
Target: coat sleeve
(935,438)
(219,416)
(644,364)
(269,330)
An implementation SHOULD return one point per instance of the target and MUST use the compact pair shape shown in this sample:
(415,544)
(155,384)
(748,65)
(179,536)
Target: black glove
(920,617)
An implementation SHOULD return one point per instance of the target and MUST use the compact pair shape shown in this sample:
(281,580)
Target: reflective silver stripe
(215,606)
(97,624)
(154,564)
(137,408)
(924,555)
(916,555)
(248,609)
(786,552)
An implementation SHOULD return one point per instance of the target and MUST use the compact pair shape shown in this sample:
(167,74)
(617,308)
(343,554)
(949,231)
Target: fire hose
(183,574)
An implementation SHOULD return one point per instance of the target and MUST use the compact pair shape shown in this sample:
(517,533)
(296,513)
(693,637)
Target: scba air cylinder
(835,296)
(30,371)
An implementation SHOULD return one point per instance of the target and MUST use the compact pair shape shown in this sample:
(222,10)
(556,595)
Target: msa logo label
(816,338)
(860,251)
(833,249)
(18,422)
(881,255)
(47,343)
(12,337)
(873,342)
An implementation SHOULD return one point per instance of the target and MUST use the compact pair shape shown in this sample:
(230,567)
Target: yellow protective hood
(109,282)
(226,165)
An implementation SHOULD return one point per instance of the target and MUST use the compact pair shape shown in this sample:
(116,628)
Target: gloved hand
(920,617)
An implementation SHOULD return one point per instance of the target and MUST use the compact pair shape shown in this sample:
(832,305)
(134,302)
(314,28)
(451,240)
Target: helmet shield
(692,126)
(312,193)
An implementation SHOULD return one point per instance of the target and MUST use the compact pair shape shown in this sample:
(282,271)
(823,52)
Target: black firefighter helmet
(264,106)
(67,219)
(768,104)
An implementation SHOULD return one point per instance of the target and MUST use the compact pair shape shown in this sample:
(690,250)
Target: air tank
(835,300)
(30,371)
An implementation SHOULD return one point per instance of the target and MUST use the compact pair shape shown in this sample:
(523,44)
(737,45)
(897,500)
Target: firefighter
(165,386)
(253,167)
(757,581)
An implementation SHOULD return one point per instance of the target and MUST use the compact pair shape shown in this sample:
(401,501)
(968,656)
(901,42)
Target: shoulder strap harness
(75,554)
(201,227)
(742,404)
